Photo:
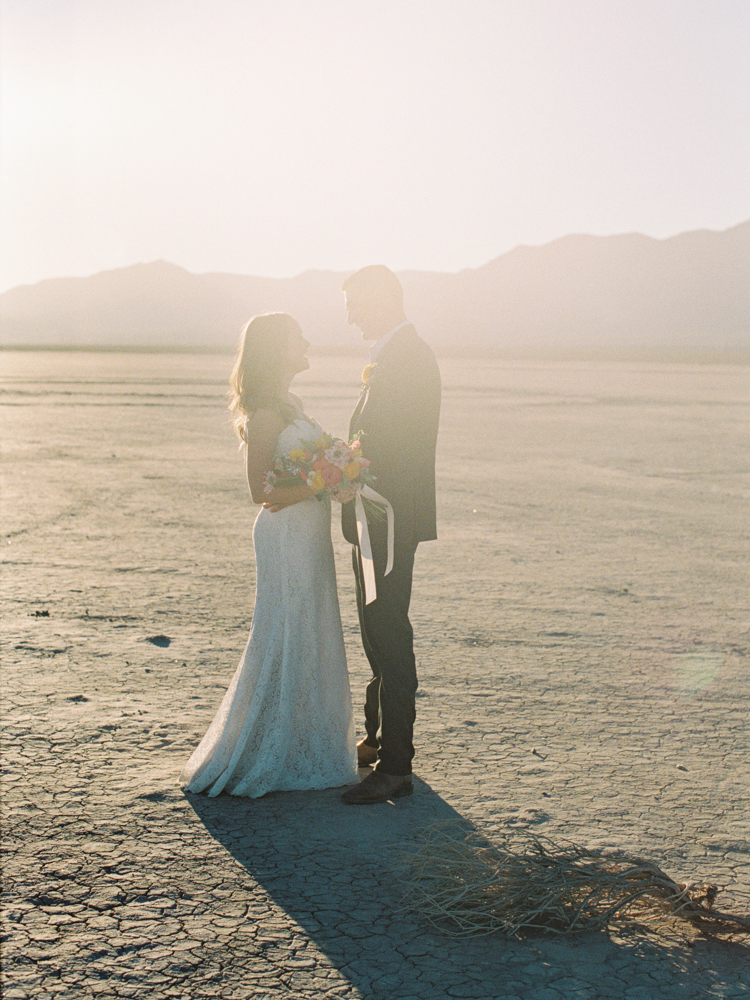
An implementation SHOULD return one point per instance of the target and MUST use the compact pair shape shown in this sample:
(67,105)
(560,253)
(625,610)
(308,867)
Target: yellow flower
(297,455)
(322,442)
(317,482)
(351,471)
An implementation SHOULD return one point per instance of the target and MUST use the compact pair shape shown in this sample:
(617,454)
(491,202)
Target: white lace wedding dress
(286,720)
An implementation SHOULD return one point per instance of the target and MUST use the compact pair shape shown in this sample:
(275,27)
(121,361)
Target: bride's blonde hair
(256,379)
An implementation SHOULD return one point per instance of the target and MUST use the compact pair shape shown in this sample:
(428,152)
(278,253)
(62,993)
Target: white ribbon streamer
(365,547)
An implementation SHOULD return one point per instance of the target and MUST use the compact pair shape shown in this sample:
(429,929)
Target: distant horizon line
(345,271)
(690,356)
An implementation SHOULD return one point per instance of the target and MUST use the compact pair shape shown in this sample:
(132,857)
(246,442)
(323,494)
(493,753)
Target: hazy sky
(271,136)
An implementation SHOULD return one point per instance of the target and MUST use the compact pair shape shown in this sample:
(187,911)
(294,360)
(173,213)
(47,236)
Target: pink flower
(332,475)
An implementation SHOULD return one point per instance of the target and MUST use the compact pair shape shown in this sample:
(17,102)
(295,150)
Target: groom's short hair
(376,279)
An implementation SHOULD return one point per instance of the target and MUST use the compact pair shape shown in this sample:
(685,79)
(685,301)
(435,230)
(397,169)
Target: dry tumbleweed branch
(520,882)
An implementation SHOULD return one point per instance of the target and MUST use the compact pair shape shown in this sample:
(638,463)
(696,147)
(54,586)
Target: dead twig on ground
(520,882)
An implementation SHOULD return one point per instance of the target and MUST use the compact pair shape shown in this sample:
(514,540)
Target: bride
(286,720)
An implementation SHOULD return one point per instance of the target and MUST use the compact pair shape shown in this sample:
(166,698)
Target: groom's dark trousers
(397,420)
(387,638)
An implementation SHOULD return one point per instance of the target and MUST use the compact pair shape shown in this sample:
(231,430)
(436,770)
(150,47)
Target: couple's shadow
(332,868)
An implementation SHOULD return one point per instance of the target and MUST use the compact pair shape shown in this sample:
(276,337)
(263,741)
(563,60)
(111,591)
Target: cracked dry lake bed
(582,630)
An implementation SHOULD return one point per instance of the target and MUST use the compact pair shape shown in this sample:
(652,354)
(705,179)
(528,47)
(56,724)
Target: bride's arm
(262,430)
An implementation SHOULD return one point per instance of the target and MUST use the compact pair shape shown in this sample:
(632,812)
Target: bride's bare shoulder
(297,402)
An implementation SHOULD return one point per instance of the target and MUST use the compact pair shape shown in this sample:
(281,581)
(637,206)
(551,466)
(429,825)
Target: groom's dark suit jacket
(397,417)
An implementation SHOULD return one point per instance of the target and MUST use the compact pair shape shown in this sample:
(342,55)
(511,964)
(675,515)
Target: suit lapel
(354,427)
(388,355)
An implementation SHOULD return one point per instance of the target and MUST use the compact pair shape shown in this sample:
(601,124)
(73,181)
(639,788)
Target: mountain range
(624,295)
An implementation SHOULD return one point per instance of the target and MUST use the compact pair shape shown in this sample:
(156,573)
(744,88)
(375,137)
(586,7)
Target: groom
(396,420)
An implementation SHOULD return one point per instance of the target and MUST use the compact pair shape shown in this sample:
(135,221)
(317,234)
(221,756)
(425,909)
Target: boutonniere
(367,373)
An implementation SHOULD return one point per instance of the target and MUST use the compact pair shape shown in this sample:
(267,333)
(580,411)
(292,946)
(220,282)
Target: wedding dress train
(285,722)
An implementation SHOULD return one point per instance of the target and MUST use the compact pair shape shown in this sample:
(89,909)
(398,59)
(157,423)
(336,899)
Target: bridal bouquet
(336,469)
(329,466)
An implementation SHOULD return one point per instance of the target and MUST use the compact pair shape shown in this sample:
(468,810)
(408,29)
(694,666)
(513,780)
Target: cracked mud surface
(582,637)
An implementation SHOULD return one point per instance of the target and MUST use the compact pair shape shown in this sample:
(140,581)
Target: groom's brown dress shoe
(378,787)
(366,755)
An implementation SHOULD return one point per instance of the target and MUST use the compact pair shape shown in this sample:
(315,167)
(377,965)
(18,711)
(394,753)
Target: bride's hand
(274,507)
